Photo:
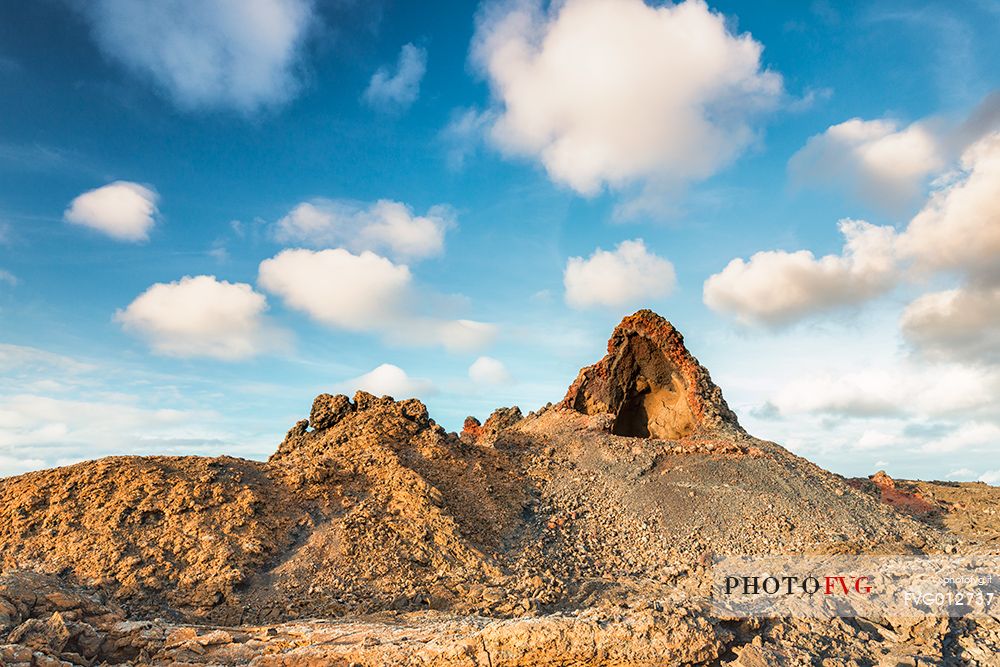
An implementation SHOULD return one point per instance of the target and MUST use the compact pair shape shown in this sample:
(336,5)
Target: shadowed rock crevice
(651,401)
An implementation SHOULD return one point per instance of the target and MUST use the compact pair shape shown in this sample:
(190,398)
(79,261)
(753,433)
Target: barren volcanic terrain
(581,534)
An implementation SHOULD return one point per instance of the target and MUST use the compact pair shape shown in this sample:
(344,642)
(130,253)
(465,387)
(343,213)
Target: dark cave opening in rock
(650,398)
(632,419)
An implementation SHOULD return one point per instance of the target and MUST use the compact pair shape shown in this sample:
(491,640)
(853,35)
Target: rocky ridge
(579,534)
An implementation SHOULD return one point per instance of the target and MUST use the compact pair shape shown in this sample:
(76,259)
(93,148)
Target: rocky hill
(579,534)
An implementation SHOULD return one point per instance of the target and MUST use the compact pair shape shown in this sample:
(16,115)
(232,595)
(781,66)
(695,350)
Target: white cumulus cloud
(240,54)
(961,324)
(336,287)
(364,292)
(959,227)
(124,211)
(776,287)
(201,316)
(958,231)
(487,370)
(876,160)
(629,275)
(390,380)
(385,226)
(618,93)
(397,91)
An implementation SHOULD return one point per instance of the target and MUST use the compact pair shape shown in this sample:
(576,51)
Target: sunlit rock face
(650,384)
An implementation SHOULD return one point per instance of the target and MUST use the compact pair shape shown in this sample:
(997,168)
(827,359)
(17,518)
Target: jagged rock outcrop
(904,497)
(405,514)
(472,428)
(327,410)
(650,383)
(44,621)
(487,433)
(158,534)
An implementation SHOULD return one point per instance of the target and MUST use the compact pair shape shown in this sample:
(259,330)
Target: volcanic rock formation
(650,383)
(577,534)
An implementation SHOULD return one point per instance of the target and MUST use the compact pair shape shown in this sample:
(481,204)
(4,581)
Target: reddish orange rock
(486,433)
(901,499)
(882,480)
(471,429)
(651,384)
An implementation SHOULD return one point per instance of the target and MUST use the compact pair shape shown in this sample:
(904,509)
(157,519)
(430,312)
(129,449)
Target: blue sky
(211,212)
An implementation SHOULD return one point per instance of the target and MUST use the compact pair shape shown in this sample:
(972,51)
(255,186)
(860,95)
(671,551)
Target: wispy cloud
(242,56)
(8,278)
(384,226)
(56,409)
(396,91)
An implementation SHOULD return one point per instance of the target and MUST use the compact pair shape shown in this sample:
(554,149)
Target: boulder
(328,410)
(486,433)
